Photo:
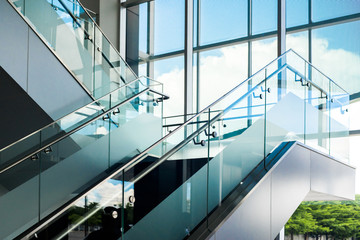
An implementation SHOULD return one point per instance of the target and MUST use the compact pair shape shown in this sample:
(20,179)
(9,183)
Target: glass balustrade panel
(174,189)
(96,215)
(339,123)
(284,109)
(68,123)
(18,199)
(239,146)
(134,128)
(317,119)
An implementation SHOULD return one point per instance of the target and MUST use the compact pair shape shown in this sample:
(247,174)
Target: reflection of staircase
(161,182)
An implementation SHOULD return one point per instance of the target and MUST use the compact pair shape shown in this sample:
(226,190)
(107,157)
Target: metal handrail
(63,10)
(67,115)
(72,131)
(210,122)
(182,143)
(98,48)
(203,121)
(85,10)
(159,83)
(189,114)
(164,96)
(137,158)
(308,80)
(202,128)
(205,109)
(317,70)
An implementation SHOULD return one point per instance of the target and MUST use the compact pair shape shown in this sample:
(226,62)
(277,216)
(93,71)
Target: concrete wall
(29,61)
(111,21)
(108,17)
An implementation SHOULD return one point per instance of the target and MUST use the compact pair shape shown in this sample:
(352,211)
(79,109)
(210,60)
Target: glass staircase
(106,171)
(170,188)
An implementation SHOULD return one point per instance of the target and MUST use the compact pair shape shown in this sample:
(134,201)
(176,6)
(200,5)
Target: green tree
(301,222)
(338,219)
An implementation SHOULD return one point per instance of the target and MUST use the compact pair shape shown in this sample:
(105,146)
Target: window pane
(195,24)
(336,52)
(222,21)
(142,69)
(220,71)
(264,16)
(299,43)
(171,73)
(326,9)
(169,26)
(297,12)
(263,52)
(354,143)
(354,110)
(195,82)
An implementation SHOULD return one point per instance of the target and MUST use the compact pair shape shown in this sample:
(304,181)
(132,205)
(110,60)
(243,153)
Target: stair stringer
(294,178)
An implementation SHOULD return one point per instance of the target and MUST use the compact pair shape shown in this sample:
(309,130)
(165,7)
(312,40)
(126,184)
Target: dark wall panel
(20,114)
(132,37)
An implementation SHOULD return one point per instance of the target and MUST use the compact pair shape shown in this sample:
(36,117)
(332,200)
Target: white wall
(35,68)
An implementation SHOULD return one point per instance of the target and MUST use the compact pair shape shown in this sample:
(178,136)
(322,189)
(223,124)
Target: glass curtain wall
(236,38)
(222,47)
(233,39)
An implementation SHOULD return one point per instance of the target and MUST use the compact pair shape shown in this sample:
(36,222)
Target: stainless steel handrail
(87,9)
(136,159)
(209,107)
(317,70)
(151,79)
(189,114)
(106,37)
(32,27)
(97,47)
(185,141)
(308,80)
(67,115)
(202,128)
(71,132)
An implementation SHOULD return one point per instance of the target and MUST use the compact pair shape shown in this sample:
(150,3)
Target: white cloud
(219,74)
(173,87)
(340,65)
(109,193)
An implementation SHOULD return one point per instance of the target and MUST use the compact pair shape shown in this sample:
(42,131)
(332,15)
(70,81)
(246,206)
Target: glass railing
(170,188)
(39,139)
(78,42)
(43,171)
